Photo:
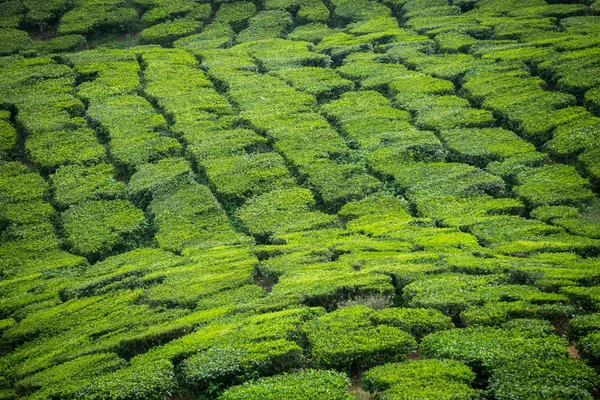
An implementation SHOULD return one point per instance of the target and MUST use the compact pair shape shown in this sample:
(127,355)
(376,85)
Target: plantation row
(263,200)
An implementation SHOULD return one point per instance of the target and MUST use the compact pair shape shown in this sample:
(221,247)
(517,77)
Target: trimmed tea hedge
(305,385)
(94,228)
(347,340)
(423,379)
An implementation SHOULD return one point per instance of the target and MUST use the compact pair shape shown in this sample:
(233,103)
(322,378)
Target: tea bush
(239,178)
(155,179)
(282,211)
(167,32)
(320,82)
(132,124)
(346,339)
(264,187)
(527,378)
(176,9)
(423,379)
(312,11)
(236,14)
(553,185)
(235,365)
(213,36)
(189,216)
(95,228)
(13,41)
(419,322)
(266,25)
(8,136)
(304,385)
(90,17)
(74,184)
(50,150)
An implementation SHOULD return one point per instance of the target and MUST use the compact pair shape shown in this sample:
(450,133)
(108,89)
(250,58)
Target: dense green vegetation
(300,199)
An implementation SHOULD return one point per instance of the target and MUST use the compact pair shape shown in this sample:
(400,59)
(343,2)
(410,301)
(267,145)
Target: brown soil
(573,354)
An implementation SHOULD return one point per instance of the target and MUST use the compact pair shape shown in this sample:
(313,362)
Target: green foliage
(97,17)
(60,44)
(282,211)
(190,216)
(588,346)
(419,322)
(451,294)
(179,88)
(583,325)
(304,385)
(569,218)
(320,82)
(312,11)
(239,178)
(493,314)
(423,84)
(154,179)
(513,235)
(312,32)
(273,54)
(49,150)
(423,379)
(74,184)
(176,9)
(573,72)
(489,349)
(13,14)
(234,365)
(18,184)
(143,379)
(380,182)
(95,228)
(482,146)
(213,142)
(116,73)
(528,378)
(132,123)
(592,100)
(370,121)
(357,10)
(236,14)
(13,41)
(553,185)
(454,42)
(520,100)
(587,298)
(338,184)
(213,36)
(41,13)
(63,380)
(265,25)
(8,136)
(347,339)
(167,32)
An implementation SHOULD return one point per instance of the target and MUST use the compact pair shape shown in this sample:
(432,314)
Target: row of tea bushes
(234,159)
(567,131)
(503,356)
(304,138)
(433,100)
(50,117)
(135,132)
(89,16)
(197,307)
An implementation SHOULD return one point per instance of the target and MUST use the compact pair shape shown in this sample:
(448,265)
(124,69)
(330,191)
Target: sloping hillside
(300,199)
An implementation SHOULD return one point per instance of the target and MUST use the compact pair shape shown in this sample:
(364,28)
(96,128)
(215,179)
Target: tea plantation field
(300,199)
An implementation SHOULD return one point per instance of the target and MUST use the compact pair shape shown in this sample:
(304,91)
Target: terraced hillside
(300,199)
